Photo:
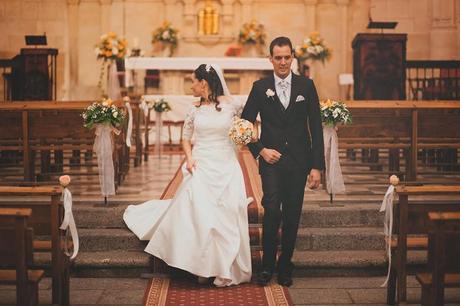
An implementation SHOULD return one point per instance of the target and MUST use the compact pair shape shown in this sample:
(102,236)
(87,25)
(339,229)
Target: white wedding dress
(204,228)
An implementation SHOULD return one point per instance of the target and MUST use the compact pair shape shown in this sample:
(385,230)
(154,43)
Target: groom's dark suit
(295,132)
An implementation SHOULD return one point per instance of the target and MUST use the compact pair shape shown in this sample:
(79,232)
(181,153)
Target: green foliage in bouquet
(102,112)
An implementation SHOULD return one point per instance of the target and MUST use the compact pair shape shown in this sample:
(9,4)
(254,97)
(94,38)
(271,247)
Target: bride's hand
(190,165)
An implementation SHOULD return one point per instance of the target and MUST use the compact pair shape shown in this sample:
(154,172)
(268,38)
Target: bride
(204,228)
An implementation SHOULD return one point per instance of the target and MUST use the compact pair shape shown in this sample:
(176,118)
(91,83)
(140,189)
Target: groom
(289,149)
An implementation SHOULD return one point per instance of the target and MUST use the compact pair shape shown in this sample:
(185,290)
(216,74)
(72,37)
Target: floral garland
(252,33)
(313,47)
(166,34)
(102,112)
(334,112)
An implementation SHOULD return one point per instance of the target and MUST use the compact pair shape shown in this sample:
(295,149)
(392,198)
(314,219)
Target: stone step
(120,263)
(313,215)
(319,239)
(102,239)
(350,263)
(311,239)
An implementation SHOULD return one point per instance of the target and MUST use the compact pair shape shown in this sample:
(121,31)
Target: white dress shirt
(283,88)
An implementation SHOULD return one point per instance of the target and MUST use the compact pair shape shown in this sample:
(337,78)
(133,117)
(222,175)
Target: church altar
(175,69)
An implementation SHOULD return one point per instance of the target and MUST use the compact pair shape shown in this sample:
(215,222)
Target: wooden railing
(433,80)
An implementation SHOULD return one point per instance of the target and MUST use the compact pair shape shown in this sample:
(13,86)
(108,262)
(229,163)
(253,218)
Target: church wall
(74,27)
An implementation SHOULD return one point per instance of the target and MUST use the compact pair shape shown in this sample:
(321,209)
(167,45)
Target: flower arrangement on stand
(332,114)
(252,35)
(109,49)
(165,38)
(103,112)
(313,48)
(105,117)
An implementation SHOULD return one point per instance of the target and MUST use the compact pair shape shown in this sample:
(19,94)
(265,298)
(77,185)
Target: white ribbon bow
(387,207)
(334,178)
(104,150)
(69,223)
(130,124)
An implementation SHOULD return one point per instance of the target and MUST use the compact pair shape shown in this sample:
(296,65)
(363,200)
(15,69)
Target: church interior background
(74,27)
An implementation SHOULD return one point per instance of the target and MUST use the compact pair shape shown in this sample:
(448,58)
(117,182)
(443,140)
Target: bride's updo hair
(207,73)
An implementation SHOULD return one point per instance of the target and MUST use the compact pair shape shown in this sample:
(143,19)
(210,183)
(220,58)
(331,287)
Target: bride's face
(199,88)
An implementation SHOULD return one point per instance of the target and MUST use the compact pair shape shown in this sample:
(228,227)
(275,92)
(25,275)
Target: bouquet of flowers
(252,33)
(166,34)
(111,47)
(102,112)
(334,112)
(241,131)
(313,48)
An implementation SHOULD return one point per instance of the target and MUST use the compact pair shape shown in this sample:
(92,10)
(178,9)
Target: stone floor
(305,291)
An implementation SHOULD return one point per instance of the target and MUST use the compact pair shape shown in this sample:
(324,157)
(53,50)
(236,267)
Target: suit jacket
(296,130)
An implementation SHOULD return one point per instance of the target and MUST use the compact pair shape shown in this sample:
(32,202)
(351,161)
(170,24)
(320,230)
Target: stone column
(343,33)
(227,23)
(246,10)
(105,15)
(310,16)
(71,69)
(443,30)
(189,25)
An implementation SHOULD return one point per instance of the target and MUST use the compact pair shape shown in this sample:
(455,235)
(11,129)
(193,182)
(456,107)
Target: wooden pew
(411,226)
(443,258)
(45,221)
(407,126)
(39,128)
(16,255)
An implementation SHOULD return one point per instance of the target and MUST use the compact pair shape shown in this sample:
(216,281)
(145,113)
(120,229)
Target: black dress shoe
(285,279)
(264,278)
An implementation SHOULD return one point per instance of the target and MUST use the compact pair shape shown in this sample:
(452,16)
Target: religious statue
(208,20)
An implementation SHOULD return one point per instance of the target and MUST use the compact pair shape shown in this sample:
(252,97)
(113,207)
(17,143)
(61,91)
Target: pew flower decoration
(161,106)
(64,180)
(252,33)
(241,131)
(313,47)
(334,112)
(102,112)
(166,35)
(68,222)
(111,47)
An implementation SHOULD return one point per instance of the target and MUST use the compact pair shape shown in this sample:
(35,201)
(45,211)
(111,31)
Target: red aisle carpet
(185,292)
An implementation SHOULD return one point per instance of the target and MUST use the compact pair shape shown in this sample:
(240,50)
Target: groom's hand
(314,179)
(270,156)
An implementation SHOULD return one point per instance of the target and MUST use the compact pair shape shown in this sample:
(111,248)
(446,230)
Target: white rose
(114,51)
(165,35)
(115,114)
(311,50)
(336,113)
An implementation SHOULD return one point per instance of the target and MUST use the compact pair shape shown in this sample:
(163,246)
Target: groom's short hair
(280,41)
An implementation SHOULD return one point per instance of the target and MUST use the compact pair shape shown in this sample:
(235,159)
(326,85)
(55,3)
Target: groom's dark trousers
(296,133)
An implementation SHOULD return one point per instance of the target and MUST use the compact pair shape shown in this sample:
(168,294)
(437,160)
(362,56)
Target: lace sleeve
(188,124)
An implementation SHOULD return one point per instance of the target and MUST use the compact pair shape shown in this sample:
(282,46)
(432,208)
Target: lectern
(379,66)
(33,75)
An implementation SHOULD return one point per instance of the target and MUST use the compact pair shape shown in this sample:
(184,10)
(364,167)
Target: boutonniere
(270,93)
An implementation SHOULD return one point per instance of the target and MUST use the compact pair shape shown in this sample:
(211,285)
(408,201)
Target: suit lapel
(294,91)
(276,99)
